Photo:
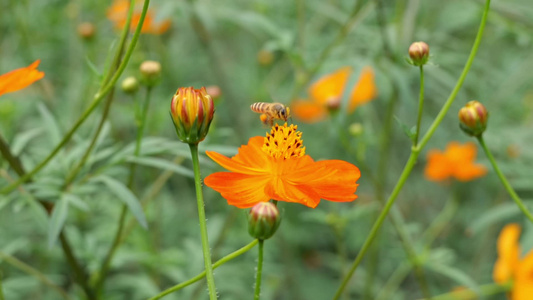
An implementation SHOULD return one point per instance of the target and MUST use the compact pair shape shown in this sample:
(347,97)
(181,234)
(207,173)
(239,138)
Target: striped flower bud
(263,220)
(419,53)
(192,111)
(473,118)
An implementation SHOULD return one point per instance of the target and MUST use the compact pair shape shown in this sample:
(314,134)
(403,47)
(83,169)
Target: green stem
(377,225)
(97,99)
(342,33)
(31,271)
(81,163)
(120,228)
(257,293)
(459,84)
(1,290)
(506,184)
(203,225)
(420,105)
(220,262)
(80,275)
(414,155)
(484,290)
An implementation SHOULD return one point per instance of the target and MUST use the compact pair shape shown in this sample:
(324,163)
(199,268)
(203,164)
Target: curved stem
(257,293)
(203,226)
(415,151)
(220,262)
(122,219)
(460,81)
(31,271)
(420,105)
(504,181)
(97,99)
(377,225)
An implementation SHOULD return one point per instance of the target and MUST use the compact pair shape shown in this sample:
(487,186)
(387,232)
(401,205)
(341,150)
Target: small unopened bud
(419,53)
(130,85)
(192,111)
(150,71)
(355,129)
(263,220)
(214,91)
(265,57)
(86,30)
(473,118)
(333,103)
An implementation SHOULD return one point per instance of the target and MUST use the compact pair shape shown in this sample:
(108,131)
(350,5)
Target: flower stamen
(284,142)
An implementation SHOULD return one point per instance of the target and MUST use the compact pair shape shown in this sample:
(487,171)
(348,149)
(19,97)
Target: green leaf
(456,275)
(50,124)
(161,164)
(21,140)
(410,132)
(126,196)
(499,213)
(76,201)
(57,220)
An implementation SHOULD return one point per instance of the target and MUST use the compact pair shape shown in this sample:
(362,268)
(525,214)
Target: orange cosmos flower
(326,94)
(508,266)
(457,161)
(20,78)
(276,167)
(118,13)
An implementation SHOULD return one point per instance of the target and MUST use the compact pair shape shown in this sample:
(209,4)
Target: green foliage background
(312,249)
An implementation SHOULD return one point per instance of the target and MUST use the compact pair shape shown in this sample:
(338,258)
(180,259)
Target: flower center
(284,142)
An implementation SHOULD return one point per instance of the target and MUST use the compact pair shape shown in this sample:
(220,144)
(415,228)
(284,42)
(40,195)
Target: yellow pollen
(284,142)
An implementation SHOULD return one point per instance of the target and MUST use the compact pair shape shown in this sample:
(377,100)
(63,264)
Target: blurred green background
(218,43)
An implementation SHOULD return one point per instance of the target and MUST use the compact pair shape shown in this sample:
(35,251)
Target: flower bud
(150,71)
(355,129)
(473,118)
(130,85)
(86,30)
(419,53)
(192,111)
(265,57)
(333,103)
(214,91)
(263,220)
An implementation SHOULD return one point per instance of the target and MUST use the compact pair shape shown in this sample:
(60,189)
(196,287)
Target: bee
(271,111)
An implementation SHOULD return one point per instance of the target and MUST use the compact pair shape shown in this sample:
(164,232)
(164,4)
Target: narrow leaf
(57,220)
(162,164)
(126,196)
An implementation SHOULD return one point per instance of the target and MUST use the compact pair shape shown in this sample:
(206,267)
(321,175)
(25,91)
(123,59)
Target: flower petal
(308,111)
(365,90)
(508,253)
(330,86)
(523,284)
(250,159)
(20,78)
(437,167)
(240,190)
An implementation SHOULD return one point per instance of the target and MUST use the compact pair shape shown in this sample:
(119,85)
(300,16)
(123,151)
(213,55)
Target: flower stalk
(203,226)
(504,181)
(257,293)
(415,151)
(198,277)
(420,106)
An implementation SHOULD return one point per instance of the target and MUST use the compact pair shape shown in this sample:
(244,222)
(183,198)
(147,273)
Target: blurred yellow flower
(326,94)
(457,162)
(509,266)
(118,13)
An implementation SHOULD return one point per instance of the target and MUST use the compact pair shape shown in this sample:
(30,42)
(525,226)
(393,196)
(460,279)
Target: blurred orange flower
(457,161)
(327,92)
(508,266)
(20,78)
(276,167)
(118,13)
